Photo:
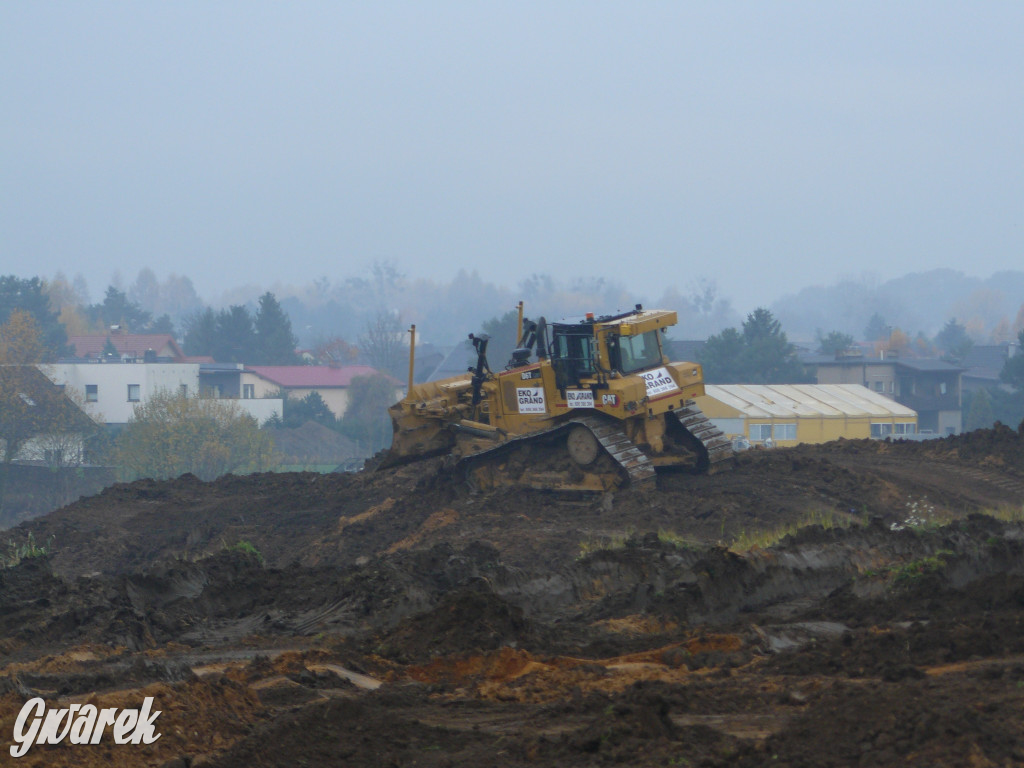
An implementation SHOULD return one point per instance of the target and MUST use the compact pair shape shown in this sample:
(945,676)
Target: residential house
(983,364)
(330,382)
(110,391)
(927,386)
(130,347)
(46,425)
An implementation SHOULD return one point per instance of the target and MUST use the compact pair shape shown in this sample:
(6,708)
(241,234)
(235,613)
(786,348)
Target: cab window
(636,353)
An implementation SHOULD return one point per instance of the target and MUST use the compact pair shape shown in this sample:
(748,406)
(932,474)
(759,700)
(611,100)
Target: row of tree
(757,353)
(233,335)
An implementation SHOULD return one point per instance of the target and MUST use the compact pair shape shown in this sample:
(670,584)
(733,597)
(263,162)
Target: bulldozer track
(612,438)
(717,445)
(619,447)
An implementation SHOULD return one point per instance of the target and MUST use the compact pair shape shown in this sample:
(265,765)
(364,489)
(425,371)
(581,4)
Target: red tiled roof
(135,344)
(311,375)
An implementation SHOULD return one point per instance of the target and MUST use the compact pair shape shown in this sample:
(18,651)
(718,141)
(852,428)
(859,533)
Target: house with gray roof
(929,386)
(983,364)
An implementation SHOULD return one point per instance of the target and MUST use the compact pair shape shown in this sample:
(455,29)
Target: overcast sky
(765,146)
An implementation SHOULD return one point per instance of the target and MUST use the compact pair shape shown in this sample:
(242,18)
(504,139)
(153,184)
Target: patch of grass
(24,551)
(768,537)
(674,539)
(593,544)
(248,547)
(916,569)
(1006,514)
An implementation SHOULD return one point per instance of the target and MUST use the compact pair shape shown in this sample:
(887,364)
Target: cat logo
(611,401)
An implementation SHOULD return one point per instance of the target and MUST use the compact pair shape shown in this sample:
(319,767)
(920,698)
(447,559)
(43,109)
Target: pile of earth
(341,519)
(394,617)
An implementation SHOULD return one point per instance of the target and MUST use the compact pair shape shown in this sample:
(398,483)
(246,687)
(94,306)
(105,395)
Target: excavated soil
(857,603)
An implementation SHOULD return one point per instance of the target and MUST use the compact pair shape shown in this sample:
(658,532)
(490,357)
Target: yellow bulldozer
(586,405)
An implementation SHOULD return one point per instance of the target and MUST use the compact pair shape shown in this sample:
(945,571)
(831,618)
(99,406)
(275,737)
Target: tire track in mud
(946,483)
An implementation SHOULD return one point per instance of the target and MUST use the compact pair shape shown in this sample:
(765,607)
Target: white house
(330,382)
(109,391)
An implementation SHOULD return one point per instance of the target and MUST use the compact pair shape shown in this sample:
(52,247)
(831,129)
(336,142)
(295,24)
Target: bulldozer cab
(630,354)
(572,353)
(617,344)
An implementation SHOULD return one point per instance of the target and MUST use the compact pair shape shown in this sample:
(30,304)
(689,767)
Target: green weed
(674,539)
(764,538)
(916,569)
(593,544)
(24,551)
(248,548)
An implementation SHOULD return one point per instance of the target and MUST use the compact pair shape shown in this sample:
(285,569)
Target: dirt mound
(920,723)
(340,519)
(394,617)
(463,622)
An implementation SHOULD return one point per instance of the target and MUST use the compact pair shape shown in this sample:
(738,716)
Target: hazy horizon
(764,147)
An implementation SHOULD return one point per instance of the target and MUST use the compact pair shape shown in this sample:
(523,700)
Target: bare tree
(384,346)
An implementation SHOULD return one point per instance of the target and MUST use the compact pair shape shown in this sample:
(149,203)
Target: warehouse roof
(806,400)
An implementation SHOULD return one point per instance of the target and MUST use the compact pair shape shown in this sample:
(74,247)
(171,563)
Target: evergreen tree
(236,336)
(162,324)
(275,342)
(954,341)
(116,309)
(201,333)
(877,329)
(30,296)
(722,358)
(297,412)
(759,354)
(834,342)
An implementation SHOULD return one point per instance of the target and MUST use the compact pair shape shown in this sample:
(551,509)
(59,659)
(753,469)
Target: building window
(880,430)
(892,387)
(760,432)
(879,386)
(248,391)
(92,393)
(905,429)
(133,393)
(942,388)
(784,432)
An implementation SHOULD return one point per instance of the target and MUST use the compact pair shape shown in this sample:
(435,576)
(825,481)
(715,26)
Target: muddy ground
(858,603)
